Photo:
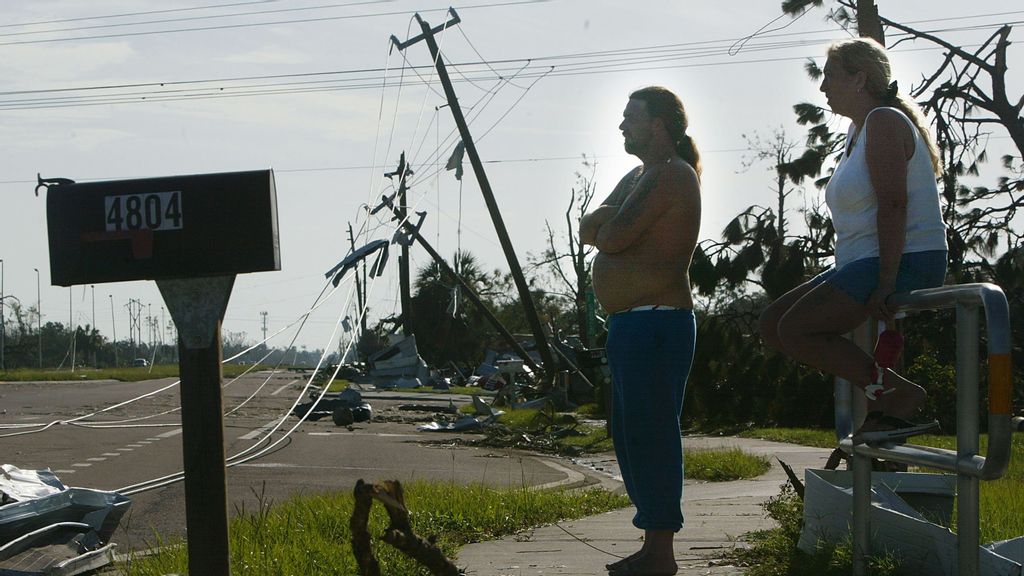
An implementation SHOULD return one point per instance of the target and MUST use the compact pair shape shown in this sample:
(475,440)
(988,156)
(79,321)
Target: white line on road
(109,454)
(64,471)
(81,465)
(259,431)
(96,459)
(276,392)
(170,434)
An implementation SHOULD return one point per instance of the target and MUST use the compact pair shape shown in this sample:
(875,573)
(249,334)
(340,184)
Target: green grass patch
(590,409)
(121,374)
(723,464)
(310,535)
(802,436)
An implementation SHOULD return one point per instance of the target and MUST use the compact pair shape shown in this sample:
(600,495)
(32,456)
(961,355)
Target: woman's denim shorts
(859,278)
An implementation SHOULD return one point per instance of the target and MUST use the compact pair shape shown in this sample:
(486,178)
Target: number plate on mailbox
(157,228)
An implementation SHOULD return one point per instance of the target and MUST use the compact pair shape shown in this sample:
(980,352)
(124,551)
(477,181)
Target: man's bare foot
(647,564)
(905,399)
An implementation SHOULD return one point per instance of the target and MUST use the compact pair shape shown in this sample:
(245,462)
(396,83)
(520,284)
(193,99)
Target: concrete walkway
(717,515)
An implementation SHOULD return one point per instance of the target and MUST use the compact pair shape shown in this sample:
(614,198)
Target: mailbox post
(192,235)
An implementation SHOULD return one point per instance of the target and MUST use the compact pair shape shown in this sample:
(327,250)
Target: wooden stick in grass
(399,533)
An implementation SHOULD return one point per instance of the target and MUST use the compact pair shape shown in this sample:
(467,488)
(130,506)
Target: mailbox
(161,228)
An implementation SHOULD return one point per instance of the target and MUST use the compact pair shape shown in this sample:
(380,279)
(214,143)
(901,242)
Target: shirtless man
(645,233)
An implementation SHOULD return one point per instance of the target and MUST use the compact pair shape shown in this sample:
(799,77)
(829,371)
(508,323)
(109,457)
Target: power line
(627,57)
(535,159)
(194,18)
(616,65)
(272,23)
(130,14)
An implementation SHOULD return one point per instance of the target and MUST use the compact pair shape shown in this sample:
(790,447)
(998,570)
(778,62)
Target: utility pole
(113,329)
(71,321)
(39,318)
(529,308)
(264,315)
(360,290)
(402,214)
(134,325)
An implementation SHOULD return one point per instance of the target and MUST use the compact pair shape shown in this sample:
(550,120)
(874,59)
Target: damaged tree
(399,532)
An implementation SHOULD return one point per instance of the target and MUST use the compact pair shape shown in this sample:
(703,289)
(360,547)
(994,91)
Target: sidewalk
(716,515)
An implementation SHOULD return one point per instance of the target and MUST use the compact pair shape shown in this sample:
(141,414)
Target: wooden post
(197,306)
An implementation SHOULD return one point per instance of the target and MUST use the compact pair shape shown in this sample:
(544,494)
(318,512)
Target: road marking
(126,449)
(278,391)
(170,434)
(64,471)
(96,459)
(145,442)
(135,445)
(108,454)
(81,465)
(259,431)
(154,439)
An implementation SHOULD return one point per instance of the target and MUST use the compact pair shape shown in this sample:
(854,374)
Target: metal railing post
(967,445)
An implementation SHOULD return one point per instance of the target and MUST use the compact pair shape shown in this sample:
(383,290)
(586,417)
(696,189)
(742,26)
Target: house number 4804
(155,211)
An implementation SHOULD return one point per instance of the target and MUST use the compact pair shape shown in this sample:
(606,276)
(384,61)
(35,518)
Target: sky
(115,89)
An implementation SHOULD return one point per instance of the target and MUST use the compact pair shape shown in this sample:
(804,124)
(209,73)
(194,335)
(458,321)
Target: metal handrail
(965,461)
(997,322)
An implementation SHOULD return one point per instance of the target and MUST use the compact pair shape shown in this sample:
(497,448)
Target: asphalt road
(141,441)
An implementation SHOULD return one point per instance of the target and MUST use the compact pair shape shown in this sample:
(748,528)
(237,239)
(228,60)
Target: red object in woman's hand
(888,348)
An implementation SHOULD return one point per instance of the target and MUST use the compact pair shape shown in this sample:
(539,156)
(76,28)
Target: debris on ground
(49,529)
(399,365)
(344,408)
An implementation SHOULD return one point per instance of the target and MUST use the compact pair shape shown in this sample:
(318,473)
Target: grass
(721,465)
(773,552)
(548,431)
(121,374)
(310,535)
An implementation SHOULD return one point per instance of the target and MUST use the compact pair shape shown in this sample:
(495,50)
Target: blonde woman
(889,237)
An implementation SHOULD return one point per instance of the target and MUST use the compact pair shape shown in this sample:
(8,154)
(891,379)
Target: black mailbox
(161,228)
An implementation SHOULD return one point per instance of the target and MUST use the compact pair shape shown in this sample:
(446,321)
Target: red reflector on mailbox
(158,228)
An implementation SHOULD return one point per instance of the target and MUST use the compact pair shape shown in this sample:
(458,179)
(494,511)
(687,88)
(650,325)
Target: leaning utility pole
(485,187)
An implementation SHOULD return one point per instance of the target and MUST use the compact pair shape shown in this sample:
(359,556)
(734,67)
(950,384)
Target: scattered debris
(462,424)
(449,409)
(345,407)
(399,365)
(49,529)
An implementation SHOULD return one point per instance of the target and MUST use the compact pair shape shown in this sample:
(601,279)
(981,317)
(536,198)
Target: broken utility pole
(523,288)
(403,172)
(413,232)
